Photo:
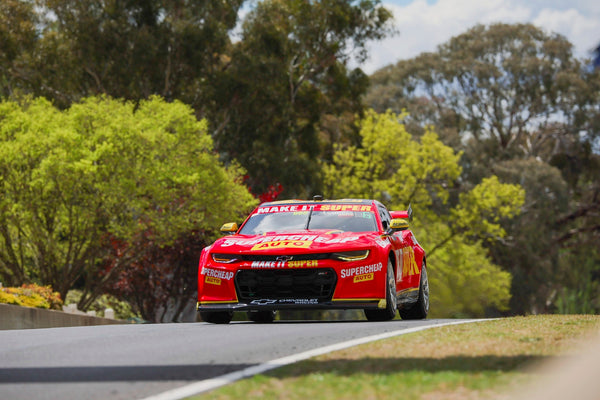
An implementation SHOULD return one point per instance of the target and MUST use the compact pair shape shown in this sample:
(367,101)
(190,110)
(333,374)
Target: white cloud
(424,26)
(581,30)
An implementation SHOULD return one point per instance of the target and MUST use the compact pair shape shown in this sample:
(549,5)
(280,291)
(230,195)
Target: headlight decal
(224,258)
(356,255)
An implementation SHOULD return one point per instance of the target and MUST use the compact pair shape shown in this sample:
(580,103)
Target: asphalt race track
(138,361)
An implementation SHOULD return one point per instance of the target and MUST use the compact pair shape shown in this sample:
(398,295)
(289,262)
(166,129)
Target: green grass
(472,361)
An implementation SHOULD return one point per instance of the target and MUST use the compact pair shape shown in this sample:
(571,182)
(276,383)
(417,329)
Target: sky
(422,25)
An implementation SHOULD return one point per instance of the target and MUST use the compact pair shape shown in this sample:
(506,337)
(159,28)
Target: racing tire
(389,312)
(216,317)
(420,309)
(262,317)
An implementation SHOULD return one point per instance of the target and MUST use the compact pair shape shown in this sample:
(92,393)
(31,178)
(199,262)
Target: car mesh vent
(312,283)
(297,257)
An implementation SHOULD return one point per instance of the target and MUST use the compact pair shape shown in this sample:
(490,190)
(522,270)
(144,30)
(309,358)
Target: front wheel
(391,301)
(420,309)
(216,317)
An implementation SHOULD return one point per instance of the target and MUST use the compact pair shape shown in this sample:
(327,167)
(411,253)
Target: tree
(506,85)
(276,99)
(517,103)
(104,170)
(391,166)
(126,49)
(161,282)
(18,37)
(288,86)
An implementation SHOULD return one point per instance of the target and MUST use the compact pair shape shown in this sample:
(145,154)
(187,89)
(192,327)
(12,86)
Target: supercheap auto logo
(362,274)
(215,276)
(286,241)
(283,244)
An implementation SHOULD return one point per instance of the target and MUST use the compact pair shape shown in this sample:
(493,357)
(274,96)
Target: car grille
(295,257)
(310,283)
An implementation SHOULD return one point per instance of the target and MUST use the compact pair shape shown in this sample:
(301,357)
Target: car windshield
(347,221)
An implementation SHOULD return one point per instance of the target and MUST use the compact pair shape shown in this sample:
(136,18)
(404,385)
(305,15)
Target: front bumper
(293,304)
(320,284)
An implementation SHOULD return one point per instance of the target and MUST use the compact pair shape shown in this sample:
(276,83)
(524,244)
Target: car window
(385,216)
(347,221)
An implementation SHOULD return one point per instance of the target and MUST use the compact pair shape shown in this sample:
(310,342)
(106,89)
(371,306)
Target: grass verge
(472,361)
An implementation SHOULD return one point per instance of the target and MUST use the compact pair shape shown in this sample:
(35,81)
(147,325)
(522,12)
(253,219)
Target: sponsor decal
(409,264)
(212,280)
(268,239)
(275,209)
(343,207)
(267,264)
(303,264)
(316,207)
(364,277)
(336,240)
(286,241)
(364,270)
(298,301)
(263,302)
(285,264)
(216,273)
(283,244)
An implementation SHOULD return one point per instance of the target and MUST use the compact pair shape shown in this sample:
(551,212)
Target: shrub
(31,295)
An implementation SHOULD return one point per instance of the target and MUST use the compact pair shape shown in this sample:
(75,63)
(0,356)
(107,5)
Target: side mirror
(230,228)
(399,224)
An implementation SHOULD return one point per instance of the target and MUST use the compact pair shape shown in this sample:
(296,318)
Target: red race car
(320,254)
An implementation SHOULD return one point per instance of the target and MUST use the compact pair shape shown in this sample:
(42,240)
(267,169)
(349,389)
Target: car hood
(306,241)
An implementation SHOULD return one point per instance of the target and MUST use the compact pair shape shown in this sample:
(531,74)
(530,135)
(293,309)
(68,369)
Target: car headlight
(356,255)
(224,258)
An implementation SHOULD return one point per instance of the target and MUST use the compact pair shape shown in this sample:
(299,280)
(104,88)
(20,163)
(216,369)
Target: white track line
(213,383)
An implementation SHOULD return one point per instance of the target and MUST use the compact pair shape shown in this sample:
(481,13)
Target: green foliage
(513,89)
(288,86)
(104,169)
(464,281)
(390,164)
(480,211)
(18,36)
(31,295)
(275,98)
(122,309)
(532,256)
(393,167)
(579,294)
(129,49)
(517,104)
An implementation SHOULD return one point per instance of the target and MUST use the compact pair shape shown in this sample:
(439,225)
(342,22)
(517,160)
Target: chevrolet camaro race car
(320,254)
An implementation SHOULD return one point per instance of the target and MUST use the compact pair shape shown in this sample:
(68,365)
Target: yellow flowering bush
(31,295)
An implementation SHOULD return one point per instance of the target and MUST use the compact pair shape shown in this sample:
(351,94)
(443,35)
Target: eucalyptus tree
(289,92)
(519,105)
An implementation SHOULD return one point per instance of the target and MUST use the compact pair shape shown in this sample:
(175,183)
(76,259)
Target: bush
(123,310)
(31,295)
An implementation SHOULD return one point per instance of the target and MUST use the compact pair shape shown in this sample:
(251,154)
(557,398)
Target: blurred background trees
(518,105)
(278,94)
